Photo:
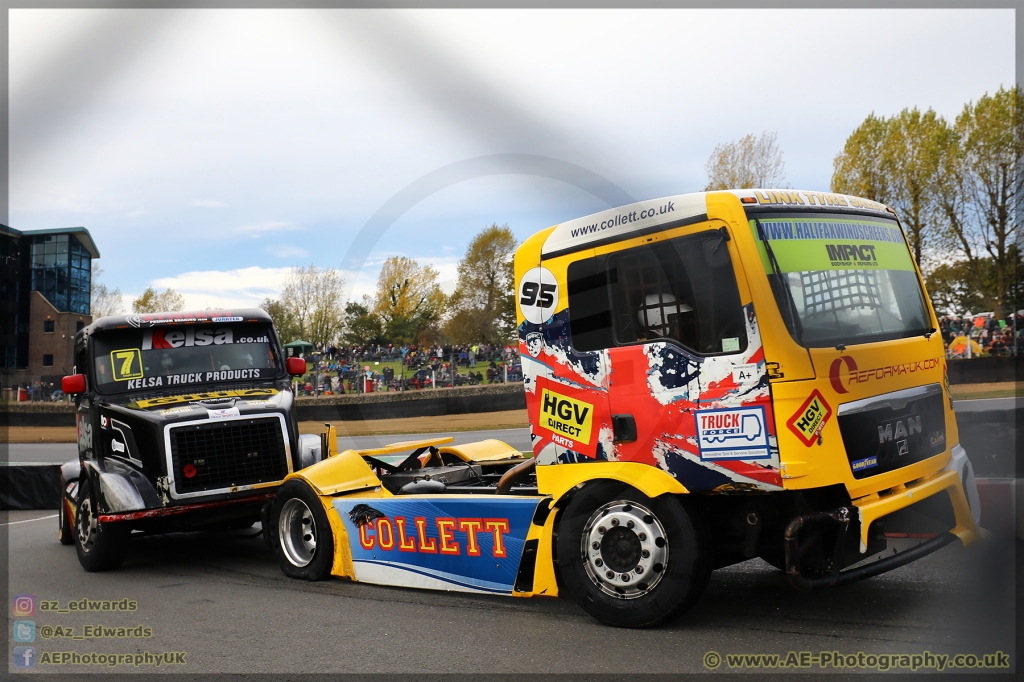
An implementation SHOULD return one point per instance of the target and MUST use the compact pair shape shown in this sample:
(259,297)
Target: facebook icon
(24,657)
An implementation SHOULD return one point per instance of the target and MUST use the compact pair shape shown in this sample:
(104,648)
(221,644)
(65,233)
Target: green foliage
(152,302)
(285,321)
(895,161)
(408,301)
(362,325)
(482,309)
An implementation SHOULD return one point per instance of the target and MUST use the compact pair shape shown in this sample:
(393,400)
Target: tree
(408,300)
(103,301)
(362,325)
(285,321)
(962,287)
(152,302)
(746,163)
(483,305)
(895,161)
(314,297)
(985,182)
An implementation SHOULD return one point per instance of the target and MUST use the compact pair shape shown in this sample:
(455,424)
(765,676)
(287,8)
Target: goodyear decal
(737,433)
(810,419)
(207,395)
(126,364)
(469,545)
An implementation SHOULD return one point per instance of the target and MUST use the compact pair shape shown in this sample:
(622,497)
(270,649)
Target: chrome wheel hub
(625,550)
(86,525)
(297,530)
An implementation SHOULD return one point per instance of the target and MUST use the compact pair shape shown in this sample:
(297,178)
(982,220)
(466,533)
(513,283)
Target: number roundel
(538,295)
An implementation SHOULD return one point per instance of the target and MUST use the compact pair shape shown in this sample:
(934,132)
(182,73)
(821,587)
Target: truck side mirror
(295,366)
(73,384)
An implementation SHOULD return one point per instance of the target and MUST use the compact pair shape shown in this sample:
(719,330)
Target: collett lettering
(389,534)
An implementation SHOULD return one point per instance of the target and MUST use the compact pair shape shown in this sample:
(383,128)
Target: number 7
(126,366)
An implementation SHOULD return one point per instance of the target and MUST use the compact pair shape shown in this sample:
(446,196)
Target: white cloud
(135,214)
(208,203)
(242,288)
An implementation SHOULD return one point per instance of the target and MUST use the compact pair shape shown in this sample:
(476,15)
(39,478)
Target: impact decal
(207,395)
(471,545)
(737,433)
(810,419)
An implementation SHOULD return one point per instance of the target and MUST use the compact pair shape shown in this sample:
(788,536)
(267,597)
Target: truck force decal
(465,545)
(738,433)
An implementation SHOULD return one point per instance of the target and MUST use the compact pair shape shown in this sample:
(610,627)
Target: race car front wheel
(100,546)
(300,532)
(629,560)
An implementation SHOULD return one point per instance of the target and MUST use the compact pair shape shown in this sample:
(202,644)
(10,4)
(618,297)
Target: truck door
(687,384)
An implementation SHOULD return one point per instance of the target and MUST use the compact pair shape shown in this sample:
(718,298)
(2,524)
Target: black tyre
(65,529)
(100,546)
(631,561)
(300,532)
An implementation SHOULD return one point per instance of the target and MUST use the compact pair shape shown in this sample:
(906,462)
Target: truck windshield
(137,359)
(841,279)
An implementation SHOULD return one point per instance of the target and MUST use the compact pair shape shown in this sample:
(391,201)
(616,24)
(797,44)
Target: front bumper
(952,480)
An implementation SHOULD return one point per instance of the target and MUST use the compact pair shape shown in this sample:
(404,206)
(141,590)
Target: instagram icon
(24,605)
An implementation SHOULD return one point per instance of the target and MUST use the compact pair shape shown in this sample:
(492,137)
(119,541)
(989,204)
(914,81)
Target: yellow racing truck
(709,378)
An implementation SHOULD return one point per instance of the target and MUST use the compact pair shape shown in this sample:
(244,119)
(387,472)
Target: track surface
(221,598)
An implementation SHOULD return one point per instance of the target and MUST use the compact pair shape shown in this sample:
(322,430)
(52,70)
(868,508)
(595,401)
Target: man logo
(899,430)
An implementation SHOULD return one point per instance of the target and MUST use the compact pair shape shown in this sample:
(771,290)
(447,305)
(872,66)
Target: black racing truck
(186,421)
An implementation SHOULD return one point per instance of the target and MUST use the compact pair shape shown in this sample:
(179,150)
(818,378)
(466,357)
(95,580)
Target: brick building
(45,279)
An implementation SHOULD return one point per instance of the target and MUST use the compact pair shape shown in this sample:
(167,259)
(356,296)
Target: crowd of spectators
(987,334)
(360,369)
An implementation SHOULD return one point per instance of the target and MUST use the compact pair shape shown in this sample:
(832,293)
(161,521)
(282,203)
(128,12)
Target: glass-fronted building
(46,284)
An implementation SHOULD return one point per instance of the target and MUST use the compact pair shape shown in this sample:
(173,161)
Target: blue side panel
(475,543)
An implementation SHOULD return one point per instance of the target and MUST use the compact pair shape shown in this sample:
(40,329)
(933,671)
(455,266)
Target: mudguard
(119,487)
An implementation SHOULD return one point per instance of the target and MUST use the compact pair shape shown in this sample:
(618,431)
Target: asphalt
(221,599)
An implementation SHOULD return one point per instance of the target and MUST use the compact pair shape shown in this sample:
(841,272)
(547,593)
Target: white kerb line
(41,518)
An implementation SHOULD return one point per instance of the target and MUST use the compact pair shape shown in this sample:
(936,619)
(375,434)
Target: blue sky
(210,150)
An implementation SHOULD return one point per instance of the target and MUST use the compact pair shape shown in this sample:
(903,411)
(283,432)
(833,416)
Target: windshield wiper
(797,326)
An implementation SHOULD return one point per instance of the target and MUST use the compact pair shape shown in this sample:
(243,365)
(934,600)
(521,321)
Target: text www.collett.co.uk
(624,218)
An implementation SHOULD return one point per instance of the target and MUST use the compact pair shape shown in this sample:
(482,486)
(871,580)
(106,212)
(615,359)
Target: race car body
(709,378)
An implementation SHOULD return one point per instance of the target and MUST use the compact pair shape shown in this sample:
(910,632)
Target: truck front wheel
(300,532)
(629,560)
(100,546)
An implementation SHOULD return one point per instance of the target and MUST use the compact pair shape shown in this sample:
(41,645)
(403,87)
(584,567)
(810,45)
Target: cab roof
(147,320)
(665,213)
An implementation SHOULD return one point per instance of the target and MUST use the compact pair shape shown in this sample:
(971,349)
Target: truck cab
(768,358)
(185,421)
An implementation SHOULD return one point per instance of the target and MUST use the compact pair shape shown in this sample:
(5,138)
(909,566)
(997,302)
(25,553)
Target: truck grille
(221,454)
(893,430)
